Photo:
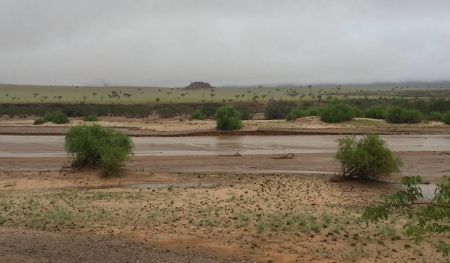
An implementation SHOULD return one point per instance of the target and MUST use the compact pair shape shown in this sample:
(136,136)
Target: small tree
(294,114)
(401,115)
(425,217)
(366,158)
(228,119)
(337,112)
(96,146)
(56,117)
(375,112)
(198,115)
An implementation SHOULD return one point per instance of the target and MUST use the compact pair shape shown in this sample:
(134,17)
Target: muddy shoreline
(145,133)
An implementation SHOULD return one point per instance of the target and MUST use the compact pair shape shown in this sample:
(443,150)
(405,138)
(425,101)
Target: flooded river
(53,146)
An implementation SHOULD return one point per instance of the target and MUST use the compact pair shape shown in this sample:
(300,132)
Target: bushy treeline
(393,110)
(135,110)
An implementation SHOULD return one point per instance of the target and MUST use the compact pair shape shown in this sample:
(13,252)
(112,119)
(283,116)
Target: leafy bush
(375,112)
(228,119)
(39,121)
(96,146)
(278,109)
(431,217)
(56,117)
(90,118)
(198,115)
(401,115)
(243,112)
(337,112)
(366,158)
(435,116)
(294,114)
(313,112)
(446,118)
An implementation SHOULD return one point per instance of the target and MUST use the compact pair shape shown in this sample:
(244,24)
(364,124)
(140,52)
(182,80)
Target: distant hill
(199,85)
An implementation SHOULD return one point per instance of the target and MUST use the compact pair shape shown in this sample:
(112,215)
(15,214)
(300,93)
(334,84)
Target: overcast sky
(173,42)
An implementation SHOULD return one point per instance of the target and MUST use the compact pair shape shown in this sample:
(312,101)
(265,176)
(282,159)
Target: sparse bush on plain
(198,115)
(375,112)
(337,112)
(368,157)
(90,118)
(96,146)
(402,115)
(228,119)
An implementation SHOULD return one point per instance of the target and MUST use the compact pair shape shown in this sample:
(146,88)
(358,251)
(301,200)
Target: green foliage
(228,119)
(56,117)
(96,146)
(401,115)
(424,217)
(39,121)
(435,116)
(90,118)
(278,109)
(313,112)
(375,112)
(294,114)
(446,118)
(198,115)
(247,109)
(337,112)
(368,157)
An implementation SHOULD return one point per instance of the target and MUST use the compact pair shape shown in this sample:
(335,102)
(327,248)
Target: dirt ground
(262,208)
(177,127)
(204,209)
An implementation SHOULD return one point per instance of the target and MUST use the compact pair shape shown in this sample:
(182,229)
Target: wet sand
(52,146)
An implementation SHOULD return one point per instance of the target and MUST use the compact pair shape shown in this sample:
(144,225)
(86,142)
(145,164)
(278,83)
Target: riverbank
(176,127)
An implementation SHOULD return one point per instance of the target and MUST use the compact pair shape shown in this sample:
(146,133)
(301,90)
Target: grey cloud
(172,42)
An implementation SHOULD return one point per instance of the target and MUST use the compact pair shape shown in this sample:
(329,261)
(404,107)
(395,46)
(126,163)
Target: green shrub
(294,114)
(228,119)
(313,112)
(430,218)
(337,112)
(198,115)
(278,109)
(244,113)
(56,117)
(401,115)
(368,157)
(96,146)
(446,118)
(39,121)
(90,118)
(375,112)
(434,116)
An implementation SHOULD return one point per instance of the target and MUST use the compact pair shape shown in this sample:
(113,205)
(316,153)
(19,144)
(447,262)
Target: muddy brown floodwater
(52,146)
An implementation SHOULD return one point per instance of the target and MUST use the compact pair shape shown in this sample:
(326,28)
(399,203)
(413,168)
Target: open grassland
(139,95)
(266,218)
